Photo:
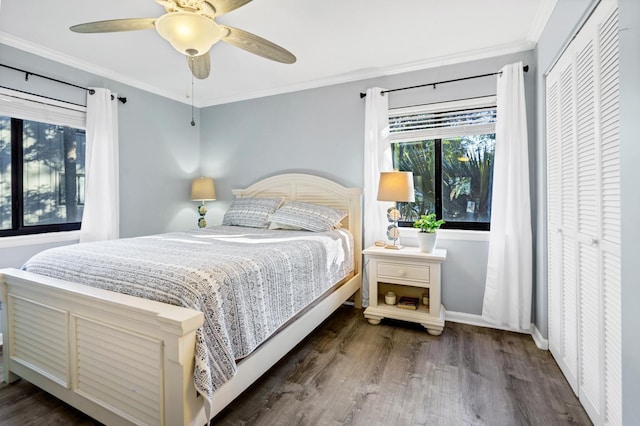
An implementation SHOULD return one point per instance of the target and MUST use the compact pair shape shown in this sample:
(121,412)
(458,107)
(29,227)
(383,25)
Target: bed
(58,331)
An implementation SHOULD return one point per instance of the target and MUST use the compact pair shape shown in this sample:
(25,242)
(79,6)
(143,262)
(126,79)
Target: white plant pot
(427,241)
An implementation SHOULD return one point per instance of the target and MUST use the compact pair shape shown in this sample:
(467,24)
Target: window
(42,157)
(450,149)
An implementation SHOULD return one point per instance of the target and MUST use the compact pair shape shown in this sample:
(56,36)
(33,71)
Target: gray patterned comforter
(246,281)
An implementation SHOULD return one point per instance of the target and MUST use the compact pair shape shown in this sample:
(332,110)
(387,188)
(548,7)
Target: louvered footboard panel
(40,338)
(120,359)
(120,370)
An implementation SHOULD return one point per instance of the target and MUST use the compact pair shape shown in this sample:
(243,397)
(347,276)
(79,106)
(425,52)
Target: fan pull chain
(193,122)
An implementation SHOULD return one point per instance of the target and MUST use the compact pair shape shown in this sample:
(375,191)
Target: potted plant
(427,234)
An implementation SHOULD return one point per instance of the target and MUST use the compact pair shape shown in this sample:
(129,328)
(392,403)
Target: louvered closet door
(561,164)
(583,193)
(589,296)
(554,221)
(609,168)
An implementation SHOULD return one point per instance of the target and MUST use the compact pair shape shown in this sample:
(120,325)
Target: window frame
(19,106)
(437,135)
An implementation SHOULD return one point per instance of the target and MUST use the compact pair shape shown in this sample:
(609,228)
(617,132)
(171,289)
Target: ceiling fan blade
(115,25)
(225,6)
(257,45)
(200,66)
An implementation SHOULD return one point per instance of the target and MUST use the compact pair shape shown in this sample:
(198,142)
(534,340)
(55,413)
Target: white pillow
(276,225)
(311,217)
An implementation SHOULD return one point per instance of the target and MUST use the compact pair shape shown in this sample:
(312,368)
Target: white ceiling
(334,41)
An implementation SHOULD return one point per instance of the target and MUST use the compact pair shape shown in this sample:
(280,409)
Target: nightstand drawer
(390,271)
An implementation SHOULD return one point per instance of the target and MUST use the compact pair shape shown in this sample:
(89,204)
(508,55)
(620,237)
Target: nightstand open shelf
(422,309)
(406,272)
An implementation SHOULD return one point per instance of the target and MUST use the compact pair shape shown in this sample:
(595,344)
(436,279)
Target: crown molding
(540,20)
(467,56)
(74,62)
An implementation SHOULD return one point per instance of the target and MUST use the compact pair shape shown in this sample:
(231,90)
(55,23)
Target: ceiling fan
(190,27)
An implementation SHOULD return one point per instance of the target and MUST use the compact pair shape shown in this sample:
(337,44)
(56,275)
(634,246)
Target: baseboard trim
(477,320)
(541,342)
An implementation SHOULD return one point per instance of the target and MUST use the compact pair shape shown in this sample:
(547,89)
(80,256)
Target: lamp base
(393,247)
(393,232)
(202,210)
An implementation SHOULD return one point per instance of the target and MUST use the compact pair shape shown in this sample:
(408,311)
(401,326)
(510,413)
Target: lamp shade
(202,189)
(396,186)
(189,33)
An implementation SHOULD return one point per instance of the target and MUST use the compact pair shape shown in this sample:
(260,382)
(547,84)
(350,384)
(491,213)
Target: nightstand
(406,272)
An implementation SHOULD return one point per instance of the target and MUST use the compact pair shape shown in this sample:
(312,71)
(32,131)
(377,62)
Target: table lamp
(202,189)
(397,187)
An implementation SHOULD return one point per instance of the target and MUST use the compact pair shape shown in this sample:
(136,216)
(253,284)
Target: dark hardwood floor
(351,373)
(23,404)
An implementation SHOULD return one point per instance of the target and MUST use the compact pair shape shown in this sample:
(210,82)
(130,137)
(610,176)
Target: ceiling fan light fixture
(188,32)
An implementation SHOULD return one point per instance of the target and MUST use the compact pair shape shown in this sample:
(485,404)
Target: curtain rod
(28,73)
(362,95)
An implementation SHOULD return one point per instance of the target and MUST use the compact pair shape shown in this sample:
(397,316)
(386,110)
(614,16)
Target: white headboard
(316,190)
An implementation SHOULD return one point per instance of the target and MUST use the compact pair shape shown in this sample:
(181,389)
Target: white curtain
(377,158)
(100,219)
(507,296)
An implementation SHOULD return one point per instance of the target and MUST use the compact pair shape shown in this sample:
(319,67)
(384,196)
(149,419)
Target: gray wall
(321,131)
(159,150)
(630,154)
(464,274)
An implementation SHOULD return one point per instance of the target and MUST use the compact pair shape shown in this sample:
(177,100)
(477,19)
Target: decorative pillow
(311,217)
(251,212)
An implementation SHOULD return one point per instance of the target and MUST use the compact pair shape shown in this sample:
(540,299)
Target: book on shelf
(406,302)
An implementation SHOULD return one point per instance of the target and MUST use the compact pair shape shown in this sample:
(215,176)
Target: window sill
(36,239)
(409,235)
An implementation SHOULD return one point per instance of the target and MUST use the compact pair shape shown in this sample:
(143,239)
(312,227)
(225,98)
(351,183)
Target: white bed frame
(55,333)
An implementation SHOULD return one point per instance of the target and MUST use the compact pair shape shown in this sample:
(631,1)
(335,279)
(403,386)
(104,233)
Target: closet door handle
(594,242)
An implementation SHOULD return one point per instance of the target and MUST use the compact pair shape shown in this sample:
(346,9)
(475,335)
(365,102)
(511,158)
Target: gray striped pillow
(311,217)
(251,212)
